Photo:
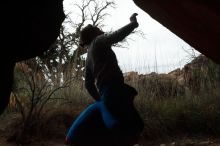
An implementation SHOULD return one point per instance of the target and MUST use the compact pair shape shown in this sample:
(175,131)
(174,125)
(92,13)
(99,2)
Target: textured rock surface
(195,21)
(29,27)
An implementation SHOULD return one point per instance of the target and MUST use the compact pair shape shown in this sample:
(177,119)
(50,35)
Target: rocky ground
(205,141)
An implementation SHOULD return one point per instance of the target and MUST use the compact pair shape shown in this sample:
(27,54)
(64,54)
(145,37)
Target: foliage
(167,107)
(31,95)
(194,112)
(65,54)
(38,81)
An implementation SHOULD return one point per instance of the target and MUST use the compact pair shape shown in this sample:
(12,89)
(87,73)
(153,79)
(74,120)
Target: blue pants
(94,127)
(108,121)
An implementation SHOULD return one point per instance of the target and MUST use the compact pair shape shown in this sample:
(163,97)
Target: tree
(32,91)
(37,79)
(65,54)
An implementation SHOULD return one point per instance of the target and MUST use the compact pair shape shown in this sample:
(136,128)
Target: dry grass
(167,108)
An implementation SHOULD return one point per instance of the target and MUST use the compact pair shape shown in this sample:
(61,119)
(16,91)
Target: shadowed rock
(29,28)
(197,22)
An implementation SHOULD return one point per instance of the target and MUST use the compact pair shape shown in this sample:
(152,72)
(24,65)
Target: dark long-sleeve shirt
(101,63)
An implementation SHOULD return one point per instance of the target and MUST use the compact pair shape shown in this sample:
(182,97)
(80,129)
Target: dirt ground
(59,140)
(179,142)
(3,142)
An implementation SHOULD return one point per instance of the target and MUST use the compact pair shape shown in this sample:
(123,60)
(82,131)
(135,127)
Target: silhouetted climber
(112,120)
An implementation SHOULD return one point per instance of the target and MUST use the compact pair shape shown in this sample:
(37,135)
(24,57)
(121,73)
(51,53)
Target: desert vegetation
(184,102)
(48,92)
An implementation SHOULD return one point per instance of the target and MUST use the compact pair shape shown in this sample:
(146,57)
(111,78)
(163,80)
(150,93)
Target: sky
(159,51)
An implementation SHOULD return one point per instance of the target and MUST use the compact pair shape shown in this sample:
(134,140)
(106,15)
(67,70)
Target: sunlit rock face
(195,21)
(29,28)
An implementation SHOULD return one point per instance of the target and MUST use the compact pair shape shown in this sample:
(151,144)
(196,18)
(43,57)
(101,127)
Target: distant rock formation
(200,74)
